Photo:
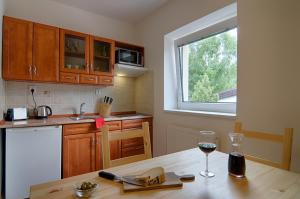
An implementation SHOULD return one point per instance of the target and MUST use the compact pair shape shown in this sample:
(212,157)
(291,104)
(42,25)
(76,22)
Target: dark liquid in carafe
(236,164)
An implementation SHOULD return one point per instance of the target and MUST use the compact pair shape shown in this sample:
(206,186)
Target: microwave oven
(129,57)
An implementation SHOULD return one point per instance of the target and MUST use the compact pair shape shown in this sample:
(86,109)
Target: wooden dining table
(261,181)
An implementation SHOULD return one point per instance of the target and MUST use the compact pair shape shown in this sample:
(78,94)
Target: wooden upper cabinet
(74,52)
(17,49)
(45,53)
(102,56)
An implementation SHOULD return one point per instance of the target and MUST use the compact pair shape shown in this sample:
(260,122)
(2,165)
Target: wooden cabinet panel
(69,78)
(115,150)
(88,79)
(105,80)
(78,154)
(102,56)
(132,142)
(136,123)
(114,125)
(131,151)
(72,129)
(17,49)
(45,53)
(74,52)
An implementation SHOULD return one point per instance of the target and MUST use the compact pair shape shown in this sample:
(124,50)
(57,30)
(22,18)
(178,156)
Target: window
(207,69)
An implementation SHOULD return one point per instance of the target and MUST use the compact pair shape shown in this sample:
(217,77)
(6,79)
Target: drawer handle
(107,80)
(68,77)
(90,79)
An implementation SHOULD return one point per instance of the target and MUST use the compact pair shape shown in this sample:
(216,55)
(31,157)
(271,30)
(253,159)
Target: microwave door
(128,57)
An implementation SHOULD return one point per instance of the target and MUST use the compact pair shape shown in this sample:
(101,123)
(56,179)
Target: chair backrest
(285,139)
(107,137)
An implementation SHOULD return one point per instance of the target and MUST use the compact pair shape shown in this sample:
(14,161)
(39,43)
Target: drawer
(105,80)
(69,78)
(132,142)
(114,125)
(72,129)
(137,123)
(88,79)
(131,151)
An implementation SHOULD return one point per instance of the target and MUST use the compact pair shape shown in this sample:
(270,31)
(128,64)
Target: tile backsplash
(66,99)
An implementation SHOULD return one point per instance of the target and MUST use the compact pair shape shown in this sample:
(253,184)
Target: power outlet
(98,92)
(30,87)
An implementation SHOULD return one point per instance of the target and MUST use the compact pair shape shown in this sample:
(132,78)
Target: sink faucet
(81,111)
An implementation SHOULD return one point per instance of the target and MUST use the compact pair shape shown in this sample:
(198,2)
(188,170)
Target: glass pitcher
(236,161)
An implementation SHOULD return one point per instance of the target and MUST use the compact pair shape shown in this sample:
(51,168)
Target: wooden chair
(285,140)
(121,135)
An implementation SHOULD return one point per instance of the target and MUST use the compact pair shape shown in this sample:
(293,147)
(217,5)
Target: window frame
(222,107)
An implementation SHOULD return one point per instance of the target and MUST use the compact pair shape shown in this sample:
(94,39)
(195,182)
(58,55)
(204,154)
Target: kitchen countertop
(66,120)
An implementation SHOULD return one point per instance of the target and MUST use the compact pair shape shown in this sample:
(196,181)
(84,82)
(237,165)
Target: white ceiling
(131,11)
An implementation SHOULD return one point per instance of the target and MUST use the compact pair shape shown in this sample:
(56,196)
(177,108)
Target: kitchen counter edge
(65,120)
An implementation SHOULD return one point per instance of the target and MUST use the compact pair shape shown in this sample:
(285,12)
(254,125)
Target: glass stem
(206,170)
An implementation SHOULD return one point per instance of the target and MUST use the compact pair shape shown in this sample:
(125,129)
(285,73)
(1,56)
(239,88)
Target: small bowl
(84,193)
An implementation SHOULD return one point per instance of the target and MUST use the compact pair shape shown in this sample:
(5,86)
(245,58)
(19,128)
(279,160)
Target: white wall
(65,99)
(57,14)
(173,15)
(268,68)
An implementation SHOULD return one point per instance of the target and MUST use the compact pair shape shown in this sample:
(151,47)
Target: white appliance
(32,156)
(129,71)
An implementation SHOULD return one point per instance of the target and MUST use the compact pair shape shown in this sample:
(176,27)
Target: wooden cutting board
(172,180)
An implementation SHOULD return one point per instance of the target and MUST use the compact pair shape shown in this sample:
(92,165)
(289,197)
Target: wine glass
(207,145)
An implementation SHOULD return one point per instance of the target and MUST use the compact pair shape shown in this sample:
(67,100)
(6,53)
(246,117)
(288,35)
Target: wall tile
(66,99)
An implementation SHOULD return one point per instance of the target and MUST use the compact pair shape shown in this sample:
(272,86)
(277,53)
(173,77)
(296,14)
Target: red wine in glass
(207,147)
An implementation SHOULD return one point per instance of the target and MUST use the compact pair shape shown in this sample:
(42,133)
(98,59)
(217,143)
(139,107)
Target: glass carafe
(236,161)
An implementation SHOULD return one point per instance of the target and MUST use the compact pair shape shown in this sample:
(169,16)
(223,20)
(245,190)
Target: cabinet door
(74,52)
(45,53)
(78,154)
(102,55)
(17,49)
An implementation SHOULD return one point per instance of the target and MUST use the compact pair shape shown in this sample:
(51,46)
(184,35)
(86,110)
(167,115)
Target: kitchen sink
(84,117)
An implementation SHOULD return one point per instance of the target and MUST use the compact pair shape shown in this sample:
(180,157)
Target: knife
(111,100)
(113,177)
(104,99)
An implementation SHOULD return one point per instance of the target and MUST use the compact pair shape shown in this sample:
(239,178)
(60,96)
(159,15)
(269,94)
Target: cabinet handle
(30,69)
(90,79)
(68,77)
(106,80)
(34,70)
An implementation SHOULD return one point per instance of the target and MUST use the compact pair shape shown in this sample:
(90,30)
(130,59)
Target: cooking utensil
(120,179)
(111,100)
(43,112)
(104,99)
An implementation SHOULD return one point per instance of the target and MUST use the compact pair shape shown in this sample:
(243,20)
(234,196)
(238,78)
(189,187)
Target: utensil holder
(105,109)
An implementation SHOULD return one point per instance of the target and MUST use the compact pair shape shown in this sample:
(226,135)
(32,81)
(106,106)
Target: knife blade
(120,179)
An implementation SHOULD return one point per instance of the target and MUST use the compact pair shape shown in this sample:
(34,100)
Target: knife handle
(107,175)
(187,177)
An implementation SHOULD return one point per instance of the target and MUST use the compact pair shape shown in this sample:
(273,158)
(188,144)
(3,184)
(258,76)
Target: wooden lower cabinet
(82,146)
(78,154)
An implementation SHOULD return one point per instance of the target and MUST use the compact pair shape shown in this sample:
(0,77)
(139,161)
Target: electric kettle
(43,112)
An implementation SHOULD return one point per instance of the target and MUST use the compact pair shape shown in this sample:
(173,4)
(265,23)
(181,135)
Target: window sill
(231,116)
